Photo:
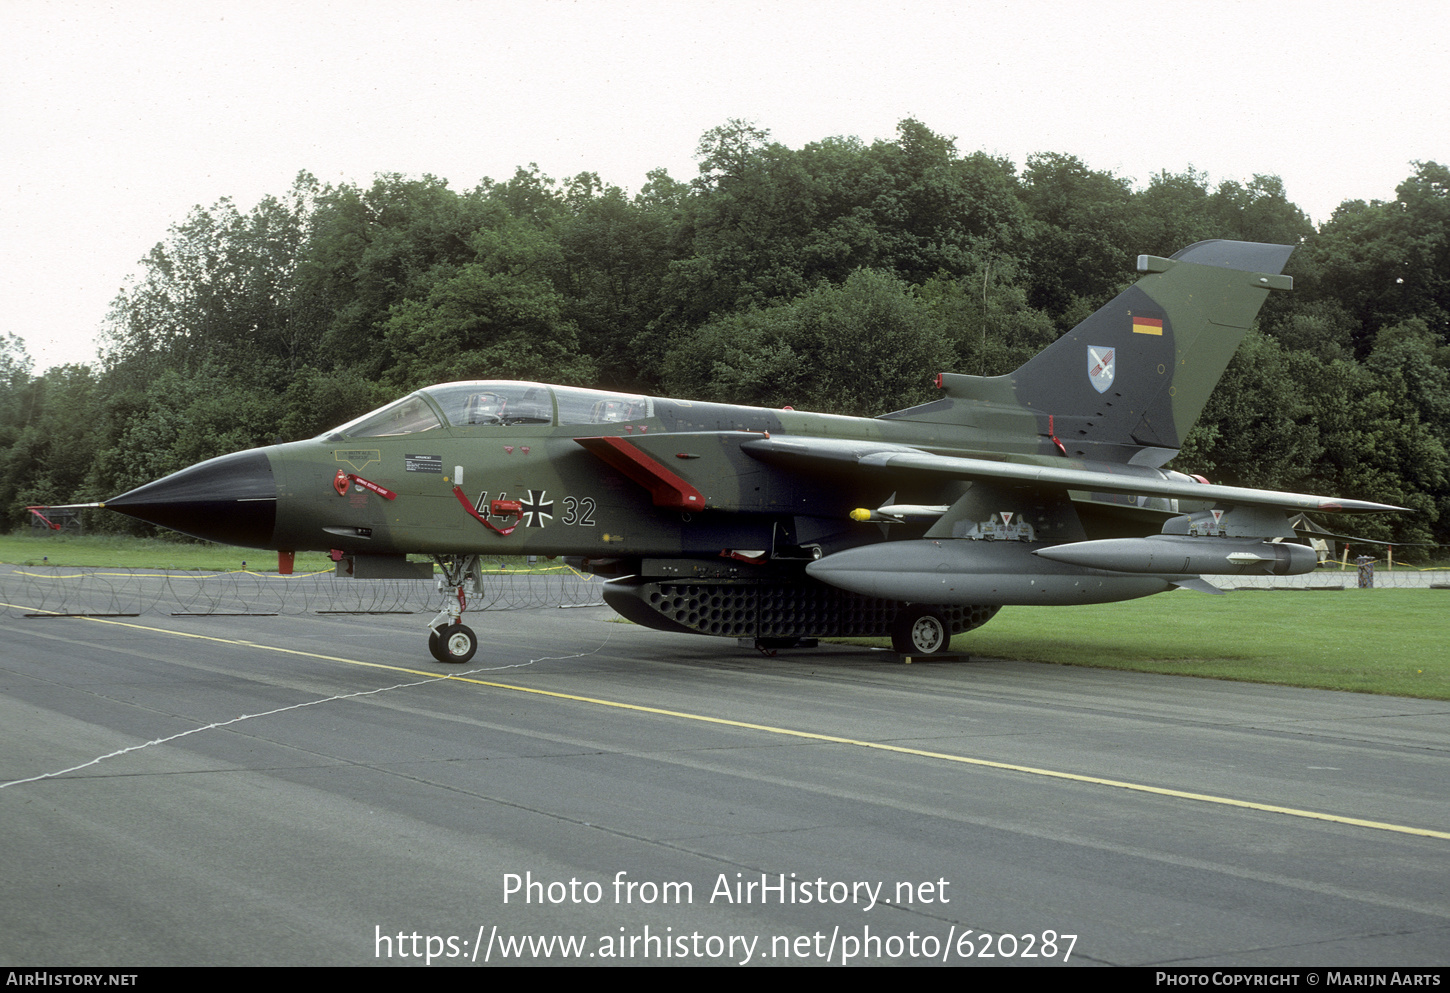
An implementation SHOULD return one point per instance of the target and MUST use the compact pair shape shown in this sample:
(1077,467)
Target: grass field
(1394,641)
(1367,641)
(115,552)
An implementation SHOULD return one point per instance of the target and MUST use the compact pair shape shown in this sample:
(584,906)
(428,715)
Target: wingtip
(1360,507)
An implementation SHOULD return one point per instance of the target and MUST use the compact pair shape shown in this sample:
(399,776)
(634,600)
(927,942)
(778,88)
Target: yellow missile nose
(860,514)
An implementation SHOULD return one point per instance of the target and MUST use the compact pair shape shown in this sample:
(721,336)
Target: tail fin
(1137,373)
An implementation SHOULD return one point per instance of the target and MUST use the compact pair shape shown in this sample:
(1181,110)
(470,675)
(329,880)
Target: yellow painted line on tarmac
(814,736)
(234,641)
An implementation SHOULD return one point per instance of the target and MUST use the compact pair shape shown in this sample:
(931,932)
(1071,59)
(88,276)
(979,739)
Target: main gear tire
(920,631)
(453,645)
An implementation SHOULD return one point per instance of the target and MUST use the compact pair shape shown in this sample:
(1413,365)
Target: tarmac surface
(967,812)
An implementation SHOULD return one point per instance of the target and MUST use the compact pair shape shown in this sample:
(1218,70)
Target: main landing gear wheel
(920,631)
(454,644)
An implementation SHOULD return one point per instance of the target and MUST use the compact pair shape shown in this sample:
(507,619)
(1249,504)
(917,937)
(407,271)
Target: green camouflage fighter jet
(1040,487)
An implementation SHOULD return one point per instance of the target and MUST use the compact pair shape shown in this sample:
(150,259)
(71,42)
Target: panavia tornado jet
(1043,486)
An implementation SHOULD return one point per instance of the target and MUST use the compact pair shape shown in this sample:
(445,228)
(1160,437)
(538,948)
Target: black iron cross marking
(537,511)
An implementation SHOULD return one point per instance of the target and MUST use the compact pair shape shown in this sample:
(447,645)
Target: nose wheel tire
(453,645)
(920,631)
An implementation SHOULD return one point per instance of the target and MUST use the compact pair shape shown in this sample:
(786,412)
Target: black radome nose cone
(231,499)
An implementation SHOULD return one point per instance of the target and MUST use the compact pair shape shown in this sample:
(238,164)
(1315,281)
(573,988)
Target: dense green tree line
(838,276)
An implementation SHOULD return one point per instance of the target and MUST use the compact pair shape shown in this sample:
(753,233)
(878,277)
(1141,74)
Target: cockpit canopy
(494,404)
(467,404)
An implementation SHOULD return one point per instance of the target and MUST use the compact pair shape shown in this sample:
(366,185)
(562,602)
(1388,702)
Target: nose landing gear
(454,644)
(450,641)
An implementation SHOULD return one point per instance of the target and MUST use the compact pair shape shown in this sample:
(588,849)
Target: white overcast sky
(116,118)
